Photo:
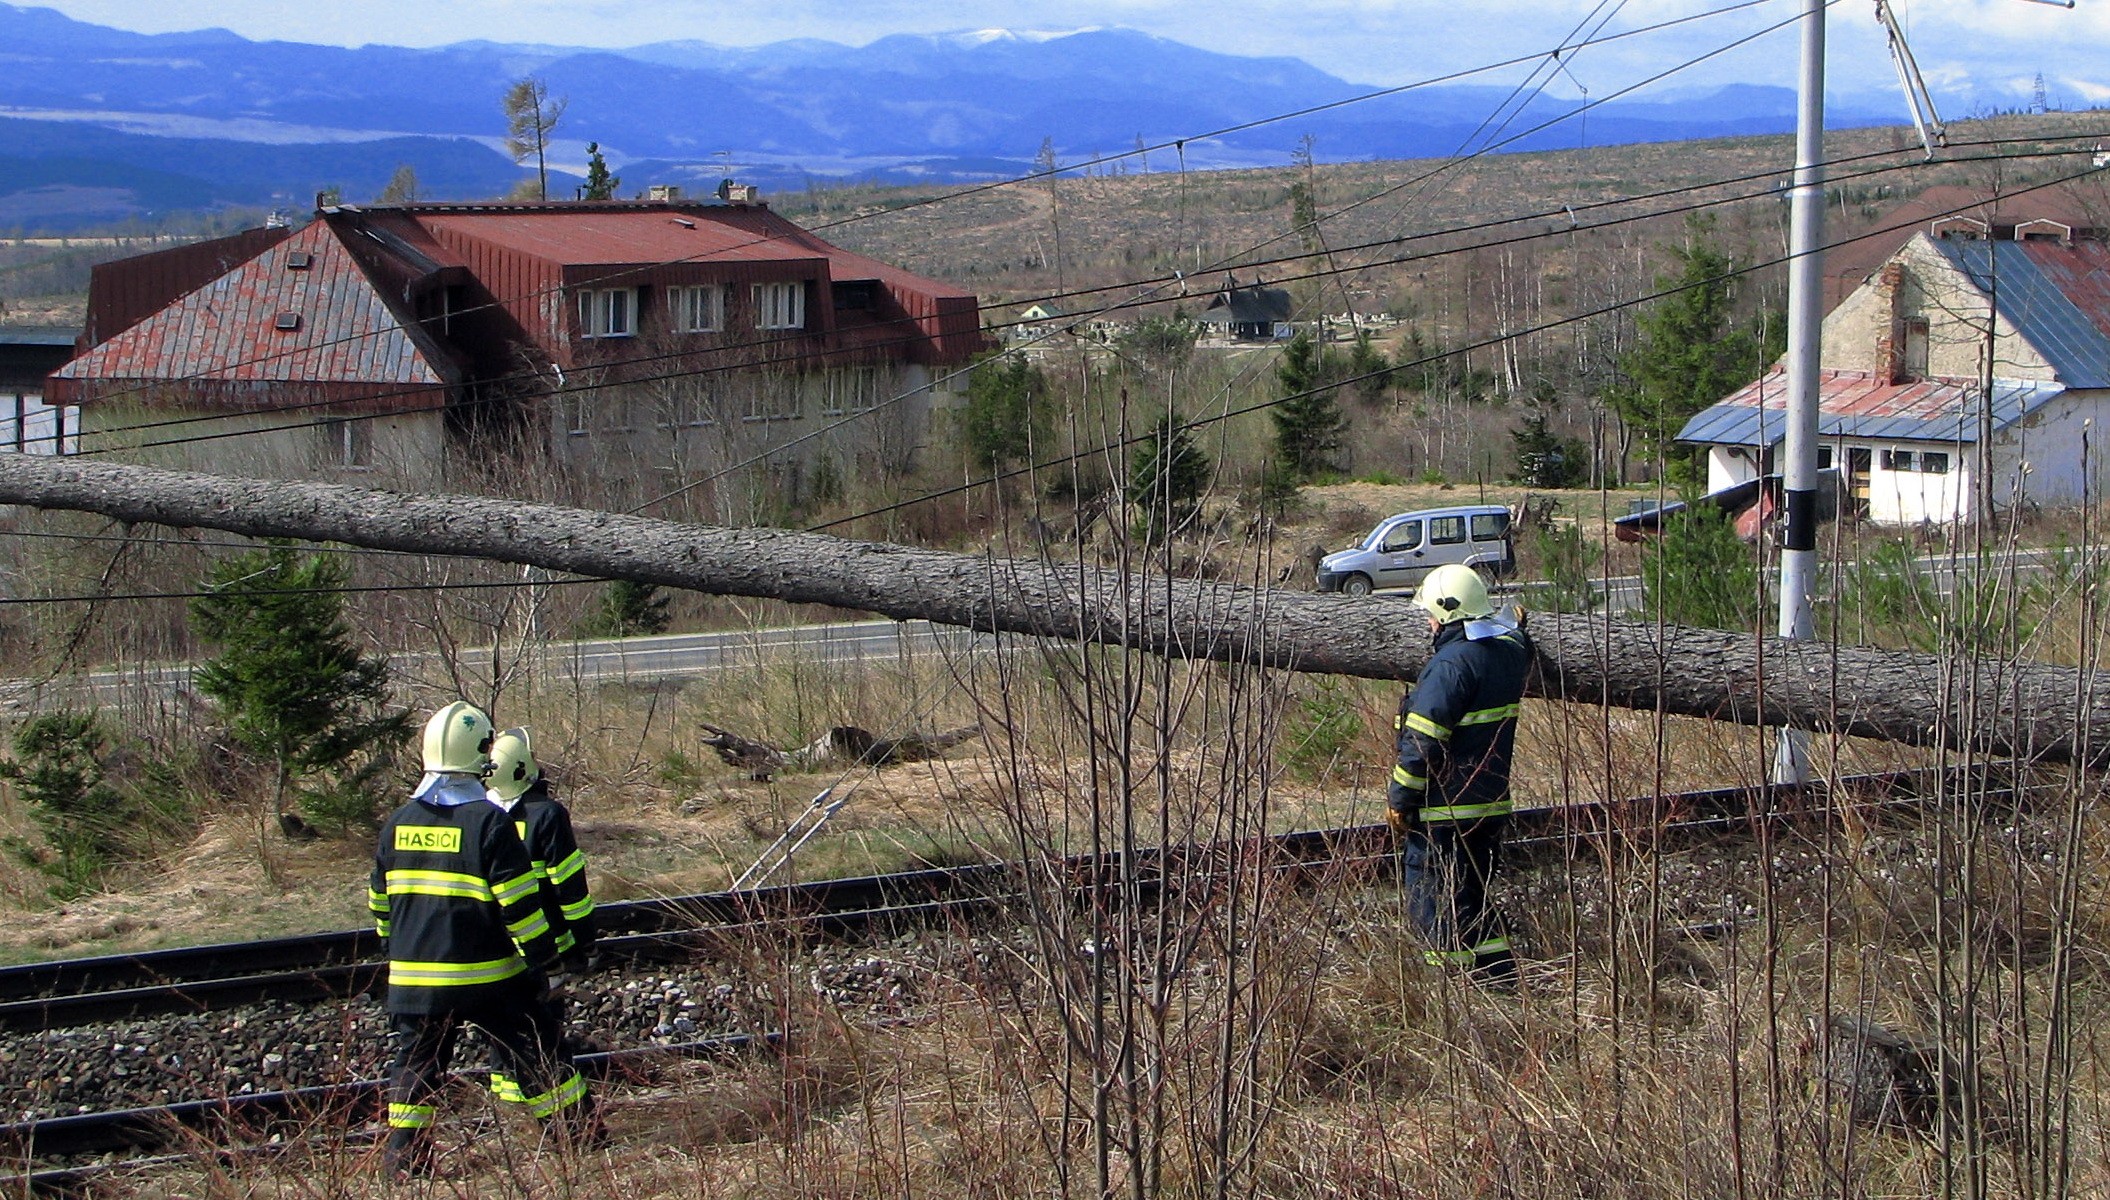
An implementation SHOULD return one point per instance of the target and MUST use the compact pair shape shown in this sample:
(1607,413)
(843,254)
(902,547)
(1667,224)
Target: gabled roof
(1253,305)
(1859,405)
(303,312)
(2056,295)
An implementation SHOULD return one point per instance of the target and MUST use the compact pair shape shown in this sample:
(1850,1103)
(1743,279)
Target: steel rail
(335,965)
(258,1116)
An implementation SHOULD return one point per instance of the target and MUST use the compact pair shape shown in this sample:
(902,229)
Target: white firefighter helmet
(457,738)
(1454,592)
(513,768)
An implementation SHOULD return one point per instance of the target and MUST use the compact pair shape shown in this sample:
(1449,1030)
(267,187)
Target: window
(697,309)
(1824,457)
(349,444)
(1935,462)
(1898,460)
(1915,356)
(856,295)
(774,399)
(780,305)
(1446,531)
(1404,536)
(608,313)
(1488,527)
(854,390)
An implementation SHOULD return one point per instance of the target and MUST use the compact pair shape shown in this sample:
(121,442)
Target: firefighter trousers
(1446,868)
(525,1040)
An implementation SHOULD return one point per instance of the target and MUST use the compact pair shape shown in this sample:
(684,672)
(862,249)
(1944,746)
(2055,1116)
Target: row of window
(833,394)
(697,308)
(1926,462)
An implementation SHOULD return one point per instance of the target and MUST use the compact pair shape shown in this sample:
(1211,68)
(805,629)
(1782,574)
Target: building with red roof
(627,347)
(1968,369)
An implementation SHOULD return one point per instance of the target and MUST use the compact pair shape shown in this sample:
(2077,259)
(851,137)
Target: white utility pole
(1798,555)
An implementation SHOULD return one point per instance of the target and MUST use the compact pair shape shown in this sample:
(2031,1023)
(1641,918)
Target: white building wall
(1728,466)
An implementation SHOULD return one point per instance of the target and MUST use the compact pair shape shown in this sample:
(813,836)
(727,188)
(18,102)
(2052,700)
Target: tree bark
(2045,712)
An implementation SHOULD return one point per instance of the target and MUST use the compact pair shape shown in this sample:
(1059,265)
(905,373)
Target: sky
(1977,55)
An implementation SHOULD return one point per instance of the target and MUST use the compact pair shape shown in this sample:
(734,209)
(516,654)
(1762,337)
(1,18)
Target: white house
(1904,403)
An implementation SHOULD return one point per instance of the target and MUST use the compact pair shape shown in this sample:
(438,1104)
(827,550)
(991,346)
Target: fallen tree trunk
(2027,709)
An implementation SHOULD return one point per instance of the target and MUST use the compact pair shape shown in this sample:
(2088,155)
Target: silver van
(1404,548)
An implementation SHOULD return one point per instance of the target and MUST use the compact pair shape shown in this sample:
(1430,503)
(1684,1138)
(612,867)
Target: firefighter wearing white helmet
(1449,798)
(469,930)
(518,786)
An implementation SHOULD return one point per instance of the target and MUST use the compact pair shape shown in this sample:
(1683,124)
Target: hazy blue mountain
(149,123)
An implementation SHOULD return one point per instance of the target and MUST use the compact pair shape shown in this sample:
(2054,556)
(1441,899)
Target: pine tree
(58,772)
(1006,412)
(1167,475)
(1691,352)
(1308,421)
(600,185)
(293,685)
(1368,367)
(531,117)
(402,187)
(628,609)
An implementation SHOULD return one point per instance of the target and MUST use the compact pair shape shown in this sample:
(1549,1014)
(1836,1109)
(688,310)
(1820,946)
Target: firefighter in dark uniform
(469,933)
(1449,799)
(517,787)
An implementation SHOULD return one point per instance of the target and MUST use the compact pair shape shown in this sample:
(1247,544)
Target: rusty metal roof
(1859,405)
(630,233)
(2055,294)
(302,311)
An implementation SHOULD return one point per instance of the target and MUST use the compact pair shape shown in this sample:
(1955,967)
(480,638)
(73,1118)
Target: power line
(974,190)
(1145,301)
(1120,445)
(1543,327)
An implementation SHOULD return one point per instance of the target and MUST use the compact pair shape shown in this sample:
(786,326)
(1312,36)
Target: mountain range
(99,125)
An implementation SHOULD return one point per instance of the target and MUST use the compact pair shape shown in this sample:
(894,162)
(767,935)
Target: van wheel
(1356,585)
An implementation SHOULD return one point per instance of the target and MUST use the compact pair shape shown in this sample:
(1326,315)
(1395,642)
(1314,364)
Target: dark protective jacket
(544,826)
(465,914)
(1458,724)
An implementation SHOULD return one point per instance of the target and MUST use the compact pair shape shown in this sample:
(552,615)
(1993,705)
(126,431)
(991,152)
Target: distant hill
(99,124)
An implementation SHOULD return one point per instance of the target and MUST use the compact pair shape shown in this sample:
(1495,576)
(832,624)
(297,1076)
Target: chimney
(664,193)
(738,193)
(1890,344)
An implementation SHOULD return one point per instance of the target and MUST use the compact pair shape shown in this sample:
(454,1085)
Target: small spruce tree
(1167,475)
(1006,412)
(600,185)
(1699,573)
(628,609)
(1308,420)
(57,771)
(294,686)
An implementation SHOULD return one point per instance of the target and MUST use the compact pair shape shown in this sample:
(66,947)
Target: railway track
(40,998)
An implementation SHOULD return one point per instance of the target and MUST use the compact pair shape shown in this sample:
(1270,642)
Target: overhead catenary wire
(980,189)
(1263,405)
(1197,423)
(1567,211)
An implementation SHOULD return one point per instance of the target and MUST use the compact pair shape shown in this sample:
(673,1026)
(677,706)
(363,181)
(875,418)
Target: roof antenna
(1924,118)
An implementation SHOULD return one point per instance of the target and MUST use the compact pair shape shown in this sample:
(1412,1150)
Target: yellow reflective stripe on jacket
(569,867)
(503,1087)
(1407,779)
(558,1098)
(1467,812)
(529,927)
(446,974)
(1488,716)
(403,881)
(578,910)
(513,890)
(1422,725)
(1448,958)
(410,1116)
(567,942)
(1493,945)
